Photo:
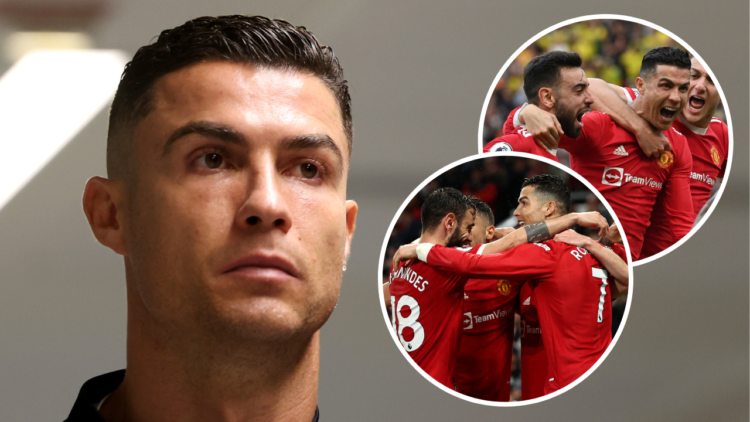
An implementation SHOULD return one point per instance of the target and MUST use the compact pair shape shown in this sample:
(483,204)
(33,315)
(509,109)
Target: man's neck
(700,127)
(434,238)
(188,380)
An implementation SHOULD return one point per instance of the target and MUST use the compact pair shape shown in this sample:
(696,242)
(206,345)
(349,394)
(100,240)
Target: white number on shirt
(408,321)
(600,274)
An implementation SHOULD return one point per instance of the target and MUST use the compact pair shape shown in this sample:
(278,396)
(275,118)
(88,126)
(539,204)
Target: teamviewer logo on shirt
(468,321)
(612,176)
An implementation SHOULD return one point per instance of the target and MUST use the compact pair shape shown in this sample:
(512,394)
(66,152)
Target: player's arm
(615,265)
(611,101)
(542,125)
(676,197)
(387,294)
(544,230)
(517,264)
(530,233)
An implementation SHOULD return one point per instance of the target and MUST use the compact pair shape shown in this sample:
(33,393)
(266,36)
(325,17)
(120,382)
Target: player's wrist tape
(422,250)
(517,117)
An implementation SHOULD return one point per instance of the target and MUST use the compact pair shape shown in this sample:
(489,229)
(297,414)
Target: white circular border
(388,321)
(710,210)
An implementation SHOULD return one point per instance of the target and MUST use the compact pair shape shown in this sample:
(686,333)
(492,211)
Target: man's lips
(262,266)
(696,103)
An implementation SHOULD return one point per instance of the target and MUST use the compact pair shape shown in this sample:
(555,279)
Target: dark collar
(96,389)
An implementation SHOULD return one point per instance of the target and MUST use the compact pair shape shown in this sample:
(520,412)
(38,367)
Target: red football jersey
(709,148)
(484,359)
(533,356)
(426,309)
(573,299)
(521,141)
(610,158)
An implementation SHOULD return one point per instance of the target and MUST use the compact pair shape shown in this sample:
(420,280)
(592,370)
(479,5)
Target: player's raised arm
(608,100)
(615,265)
(544,230)
(516,264)
(542,125)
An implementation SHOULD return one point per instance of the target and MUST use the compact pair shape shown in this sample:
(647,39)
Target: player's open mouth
(579,116)
(696,103)
(668,112)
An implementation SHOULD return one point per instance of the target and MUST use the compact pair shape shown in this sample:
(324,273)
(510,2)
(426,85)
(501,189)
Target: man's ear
(547,98)
(550,208)
(449,222)
(640,83)
(101,199)
(351,224)
(490,234)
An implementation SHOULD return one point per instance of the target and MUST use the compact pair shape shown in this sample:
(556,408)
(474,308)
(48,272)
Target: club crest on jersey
(612,176)
(666,159)
(502,147)
(468,321)
(715,155)
(503,286)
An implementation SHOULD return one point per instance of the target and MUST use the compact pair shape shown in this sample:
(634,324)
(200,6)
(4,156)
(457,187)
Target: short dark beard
(455,240)
(567,119)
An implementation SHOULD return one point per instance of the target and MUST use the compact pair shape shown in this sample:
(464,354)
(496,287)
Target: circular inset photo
(631,108)
(504,279)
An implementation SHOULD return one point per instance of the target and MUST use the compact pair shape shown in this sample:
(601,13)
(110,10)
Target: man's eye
(308,170)
(211,160)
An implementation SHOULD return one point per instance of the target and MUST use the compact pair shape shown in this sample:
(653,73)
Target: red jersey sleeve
(676,198)
(509,126)
(521,262)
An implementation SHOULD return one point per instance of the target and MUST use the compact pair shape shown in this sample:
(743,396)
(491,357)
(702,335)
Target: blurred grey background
(419,74)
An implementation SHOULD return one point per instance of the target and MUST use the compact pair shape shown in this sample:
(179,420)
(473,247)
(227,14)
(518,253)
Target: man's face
(461,234)
(574,100)
(478,233)
(530,209)
(703,97)
(663,94)
(238,221)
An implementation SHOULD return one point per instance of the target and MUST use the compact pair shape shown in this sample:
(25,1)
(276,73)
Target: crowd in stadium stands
(496,181)
(611,50)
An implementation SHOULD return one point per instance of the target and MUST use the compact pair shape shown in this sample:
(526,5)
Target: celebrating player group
(656,153)
(454,296)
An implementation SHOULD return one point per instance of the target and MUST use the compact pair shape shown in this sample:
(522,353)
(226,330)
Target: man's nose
(266,204)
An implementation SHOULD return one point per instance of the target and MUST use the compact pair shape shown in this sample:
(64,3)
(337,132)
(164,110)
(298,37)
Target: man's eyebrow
(314,140)
(522,198)
(583,84)
(207,129)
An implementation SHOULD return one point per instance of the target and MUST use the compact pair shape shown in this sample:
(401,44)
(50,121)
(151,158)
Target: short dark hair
(442,202)
(483,209)
(544,71)
(553,187)
(669,56)
(270,43)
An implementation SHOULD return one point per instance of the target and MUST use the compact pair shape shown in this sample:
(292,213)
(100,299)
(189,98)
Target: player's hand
(572,238)
(593,219)
(613,234)
(652,142)
(543,126)
(501,232)
(405,253)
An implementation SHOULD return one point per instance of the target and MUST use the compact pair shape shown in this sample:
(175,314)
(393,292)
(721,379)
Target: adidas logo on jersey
(527,301)
(620,151)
